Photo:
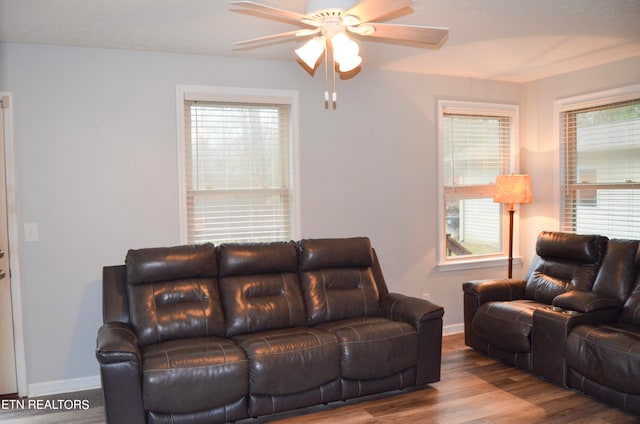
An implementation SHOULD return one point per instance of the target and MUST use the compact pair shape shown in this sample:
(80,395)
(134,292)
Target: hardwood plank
(93,415)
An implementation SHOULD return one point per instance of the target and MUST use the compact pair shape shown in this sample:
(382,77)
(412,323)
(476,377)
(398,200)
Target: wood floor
(474,389)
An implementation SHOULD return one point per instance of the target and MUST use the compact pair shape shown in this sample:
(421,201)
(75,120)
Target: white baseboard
(64,386)
(452,329)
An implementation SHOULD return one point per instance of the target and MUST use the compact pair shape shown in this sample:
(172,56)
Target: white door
(8,382)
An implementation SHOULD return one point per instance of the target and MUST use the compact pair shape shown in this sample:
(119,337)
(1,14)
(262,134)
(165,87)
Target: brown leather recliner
(603,356)
(584,329)
(204,334)
(498,314)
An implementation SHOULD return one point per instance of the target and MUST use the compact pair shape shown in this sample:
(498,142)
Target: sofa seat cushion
(193,375)
(373,347)
(290,360)
(506,325)
(607,354)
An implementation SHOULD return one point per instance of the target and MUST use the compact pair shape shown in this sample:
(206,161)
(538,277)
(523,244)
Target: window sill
(476,263)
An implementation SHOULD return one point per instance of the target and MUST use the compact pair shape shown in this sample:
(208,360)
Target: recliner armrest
(412,310)
(426,317)
(120,370)
(116,343)
(478,292)
(551,327)
(495,290)
(583,301)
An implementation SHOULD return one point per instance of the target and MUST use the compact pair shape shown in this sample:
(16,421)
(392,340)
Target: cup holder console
(562,311)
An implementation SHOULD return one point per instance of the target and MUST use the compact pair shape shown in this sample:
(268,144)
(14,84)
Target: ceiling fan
(329,23)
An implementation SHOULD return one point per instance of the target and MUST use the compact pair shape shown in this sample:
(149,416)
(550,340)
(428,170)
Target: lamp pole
(511,212)
(512,189)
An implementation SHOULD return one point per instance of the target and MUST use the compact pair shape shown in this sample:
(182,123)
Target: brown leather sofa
(204,334)
(574,319)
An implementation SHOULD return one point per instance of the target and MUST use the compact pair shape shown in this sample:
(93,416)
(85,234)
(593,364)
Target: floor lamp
(511,190)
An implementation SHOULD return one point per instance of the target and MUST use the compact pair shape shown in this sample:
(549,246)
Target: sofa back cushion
(631,310)
(617,274)
(259,286)
(563,262)
(173,293)
(337,279)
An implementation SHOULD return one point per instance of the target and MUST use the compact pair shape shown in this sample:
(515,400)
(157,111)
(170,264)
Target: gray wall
(539,153)
(95,134)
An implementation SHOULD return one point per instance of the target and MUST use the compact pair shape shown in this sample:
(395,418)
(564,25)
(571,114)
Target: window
(238,166)
(600,164)
(477,144)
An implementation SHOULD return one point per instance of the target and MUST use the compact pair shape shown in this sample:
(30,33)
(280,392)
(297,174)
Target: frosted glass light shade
(311,52)
(343,46)
(349,64)
(345,52)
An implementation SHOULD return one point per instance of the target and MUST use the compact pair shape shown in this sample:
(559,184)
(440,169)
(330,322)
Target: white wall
(96,169)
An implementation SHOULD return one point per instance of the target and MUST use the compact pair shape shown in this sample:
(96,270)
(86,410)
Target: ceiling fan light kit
(329,21)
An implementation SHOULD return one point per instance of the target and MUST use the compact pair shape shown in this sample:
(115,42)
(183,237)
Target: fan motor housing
(317,7)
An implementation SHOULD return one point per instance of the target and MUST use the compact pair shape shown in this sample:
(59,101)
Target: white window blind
(238,172)
(477,147)
(600,182)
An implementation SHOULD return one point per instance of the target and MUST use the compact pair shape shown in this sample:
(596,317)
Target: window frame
(237,95)
(574,104)
(512,111)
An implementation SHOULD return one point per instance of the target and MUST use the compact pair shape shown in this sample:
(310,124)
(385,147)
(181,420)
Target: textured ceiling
(509,40)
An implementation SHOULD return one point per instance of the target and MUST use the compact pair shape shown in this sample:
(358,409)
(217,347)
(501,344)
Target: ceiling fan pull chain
(335,95)
(326,79)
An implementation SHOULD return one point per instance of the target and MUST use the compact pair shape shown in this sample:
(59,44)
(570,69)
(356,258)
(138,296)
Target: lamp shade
(512,189)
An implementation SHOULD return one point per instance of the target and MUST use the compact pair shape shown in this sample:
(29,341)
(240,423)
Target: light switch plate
(31,231)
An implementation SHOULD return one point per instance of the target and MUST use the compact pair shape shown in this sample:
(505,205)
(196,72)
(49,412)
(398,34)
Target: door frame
(14,242)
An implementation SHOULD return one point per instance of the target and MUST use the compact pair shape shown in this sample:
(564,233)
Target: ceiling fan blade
(370,10)
(269,10)
(432,36)
(275,37)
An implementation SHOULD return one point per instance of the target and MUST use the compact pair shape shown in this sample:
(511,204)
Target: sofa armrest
(426,317)
(116,343)
(551,327)
(399,307)
(583,301)
(119,358)
(478,292)
(492,290)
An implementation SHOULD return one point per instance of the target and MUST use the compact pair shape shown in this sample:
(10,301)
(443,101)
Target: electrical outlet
(426,296)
